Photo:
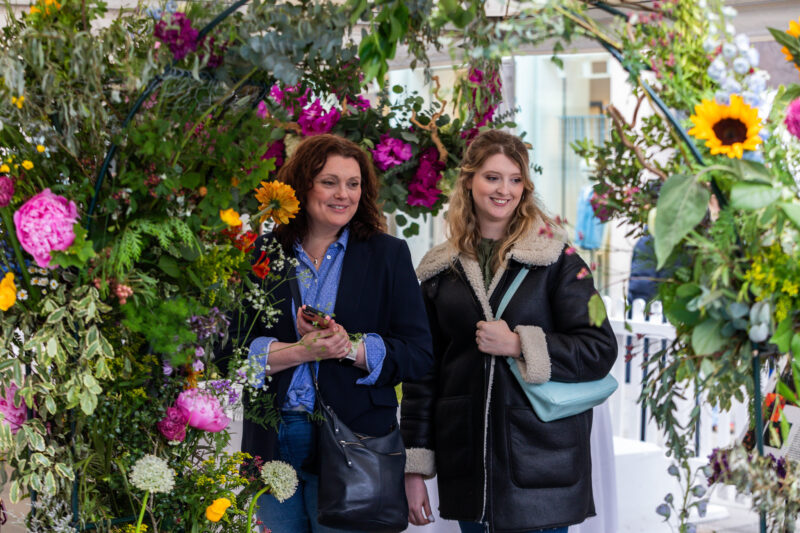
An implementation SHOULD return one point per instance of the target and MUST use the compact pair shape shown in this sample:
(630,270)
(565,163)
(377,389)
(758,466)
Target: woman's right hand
(419,507)
(329,343)
(306,325)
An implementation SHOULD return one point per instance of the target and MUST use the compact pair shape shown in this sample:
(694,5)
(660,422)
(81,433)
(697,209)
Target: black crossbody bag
(361,478)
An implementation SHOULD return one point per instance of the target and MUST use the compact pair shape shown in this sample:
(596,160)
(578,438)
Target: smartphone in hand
(315,315)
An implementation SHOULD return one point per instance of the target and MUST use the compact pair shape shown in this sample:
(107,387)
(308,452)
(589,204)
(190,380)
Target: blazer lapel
(355,270)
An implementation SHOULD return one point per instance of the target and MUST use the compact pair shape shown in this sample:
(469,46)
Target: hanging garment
(588,228)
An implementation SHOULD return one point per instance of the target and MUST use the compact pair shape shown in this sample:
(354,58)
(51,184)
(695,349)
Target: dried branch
(620,124)
(431,126)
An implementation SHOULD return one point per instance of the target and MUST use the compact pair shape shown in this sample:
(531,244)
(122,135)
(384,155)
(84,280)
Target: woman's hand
(494,338)
(419,507)
(329,343)
(306,325)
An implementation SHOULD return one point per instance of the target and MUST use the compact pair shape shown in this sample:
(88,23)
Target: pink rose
(202,410)
(6,190)
(44,224)
(13,416)
(173,426)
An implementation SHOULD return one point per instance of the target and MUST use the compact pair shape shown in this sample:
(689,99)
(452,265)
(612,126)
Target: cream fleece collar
(538,248)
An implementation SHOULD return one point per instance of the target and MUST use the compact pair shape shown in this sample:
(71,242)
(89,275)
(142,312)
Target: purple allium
(314,120)
(178,34)
(6,190)
(390,152)
(792,120)
(422,190)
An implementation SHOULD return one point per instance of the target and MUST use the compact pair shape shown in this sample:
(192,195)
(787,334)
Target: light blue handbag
(554,400)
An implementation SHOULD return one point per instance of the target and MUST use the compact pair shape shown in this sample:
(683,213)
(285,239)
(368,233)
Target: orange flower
(794,31)
(216,510)
(261,267)
(277,201)
(779,405)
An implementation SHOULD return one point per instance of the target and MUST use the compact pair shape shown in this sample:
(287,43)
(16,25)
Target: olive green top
(485,253)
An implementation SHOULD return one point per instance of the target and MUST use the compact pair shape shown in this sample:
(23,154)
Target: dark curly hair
(305,164)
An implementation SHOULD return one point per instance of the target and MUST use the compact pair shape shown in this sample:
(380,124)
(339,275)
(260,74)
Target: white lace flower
(281,479)
(152,474)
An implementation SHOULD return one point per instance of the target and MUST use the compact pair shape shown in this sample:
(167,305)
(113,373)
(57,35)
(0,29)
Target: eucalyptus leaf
(707,338)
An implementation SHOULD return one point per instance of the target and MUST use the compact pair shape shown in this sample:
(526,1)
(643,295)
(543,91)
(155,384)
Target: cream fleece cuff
(420,461)
(535,366)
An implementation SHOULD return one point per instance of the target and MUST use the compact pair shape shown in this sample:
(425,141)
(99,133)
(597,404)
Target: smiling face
(333,198)
(497,189)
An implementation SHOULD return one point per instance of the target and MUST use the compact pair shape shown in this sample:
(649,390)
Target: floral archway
(137,166)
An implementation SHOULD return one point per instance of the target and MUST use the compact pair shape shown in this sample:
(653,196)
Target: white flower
(716,70)
(152,474)
(741,65)
(757,82)
(752,56)
(729,50)
(22,294)
(710,44)
(53,284)
(728,12)
(732,86)
(281,479)
(742,42)
(722,97)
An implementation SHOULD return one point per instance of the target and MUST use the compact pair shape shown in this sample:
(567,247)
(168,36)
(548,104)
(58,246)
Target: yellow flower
(727,129)
(35,10)
(18,101)
(4,168)
(40,148)
(216,510)
(794,31)
(230,217)
(277,201)
(790,288)
(8,292)
(27,165)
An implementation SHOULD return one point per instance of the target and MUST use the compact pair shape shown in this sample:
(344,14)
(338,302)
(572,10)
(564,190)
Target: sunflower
(794,31)
(727,129)
(277,201)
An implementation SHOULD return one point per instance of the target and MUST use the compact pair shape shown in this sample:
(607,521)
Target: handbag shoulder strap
(511,290)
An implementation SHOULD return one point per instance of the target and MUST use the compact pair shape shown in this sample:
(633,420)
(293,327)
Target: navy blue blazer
(378,293)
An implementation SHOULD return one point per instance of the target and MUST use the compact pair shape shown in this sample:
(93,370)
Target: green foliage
(166,327)
(681,206)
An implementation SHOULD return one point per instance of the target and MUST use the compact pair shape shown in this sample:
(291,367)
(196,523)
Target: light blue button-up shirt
(318,288)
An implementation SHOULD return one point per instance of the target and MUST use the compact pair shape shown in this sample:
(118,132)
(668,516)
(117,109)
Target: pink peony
(314,120)
(13,416)
(44,224)
(202,410)
(173,426)
(6,190)
(792,120)
(390,152)
(422,190)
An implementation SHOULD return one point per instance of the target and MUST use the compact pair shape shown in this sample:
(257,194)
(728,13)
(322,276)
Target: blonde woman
(497,464)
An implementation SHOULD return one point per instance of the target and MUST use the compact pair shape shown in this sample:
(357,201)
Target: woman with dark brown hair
(364,283)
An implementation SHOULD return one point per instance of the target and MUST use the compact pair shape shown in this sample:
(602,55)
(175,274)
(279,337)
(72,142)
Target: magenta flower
(44,224)
(262,109)
(6,190)
(792,120)
(390,152)
(178,34)
(276,150)
(13,416)
(359,102)
(202,410)
(173,426)
(290,97)
(314,120)
(422,190)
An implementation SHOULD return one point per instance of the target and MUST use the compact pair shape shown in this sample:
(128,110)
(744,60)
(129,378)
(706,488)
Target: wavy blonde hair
(462,222)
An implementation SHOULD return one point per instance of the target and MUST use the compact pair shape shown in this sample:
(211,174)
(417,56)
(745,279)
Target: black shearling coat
(470,423)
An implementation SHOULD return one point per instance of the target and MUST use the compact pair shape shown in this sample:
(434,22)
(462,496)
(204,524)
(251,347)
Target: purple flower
(167,369)
(173,425)
(214,324)
(314,120)
(289,97)
(178,34)
(422,190)
(199,352)
(275,150)
(202,410)
(792,120)
(44,224)
(390,152)
(13,416)
(6,190)
(198,366)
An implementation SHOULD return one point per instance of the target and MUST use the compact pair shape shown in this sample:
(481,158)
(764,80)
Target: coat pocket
(454,437)
(543,454)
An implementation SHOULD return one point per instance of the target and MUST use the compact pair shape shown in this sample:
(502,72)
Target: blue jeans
(298,514)
(475,527)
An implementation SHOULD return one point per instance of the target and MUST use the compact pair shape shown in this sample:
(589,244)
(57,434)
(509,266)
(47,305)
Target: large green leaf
(707,337)
(793,212)
(751,195)
(681,206)
(597,310)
